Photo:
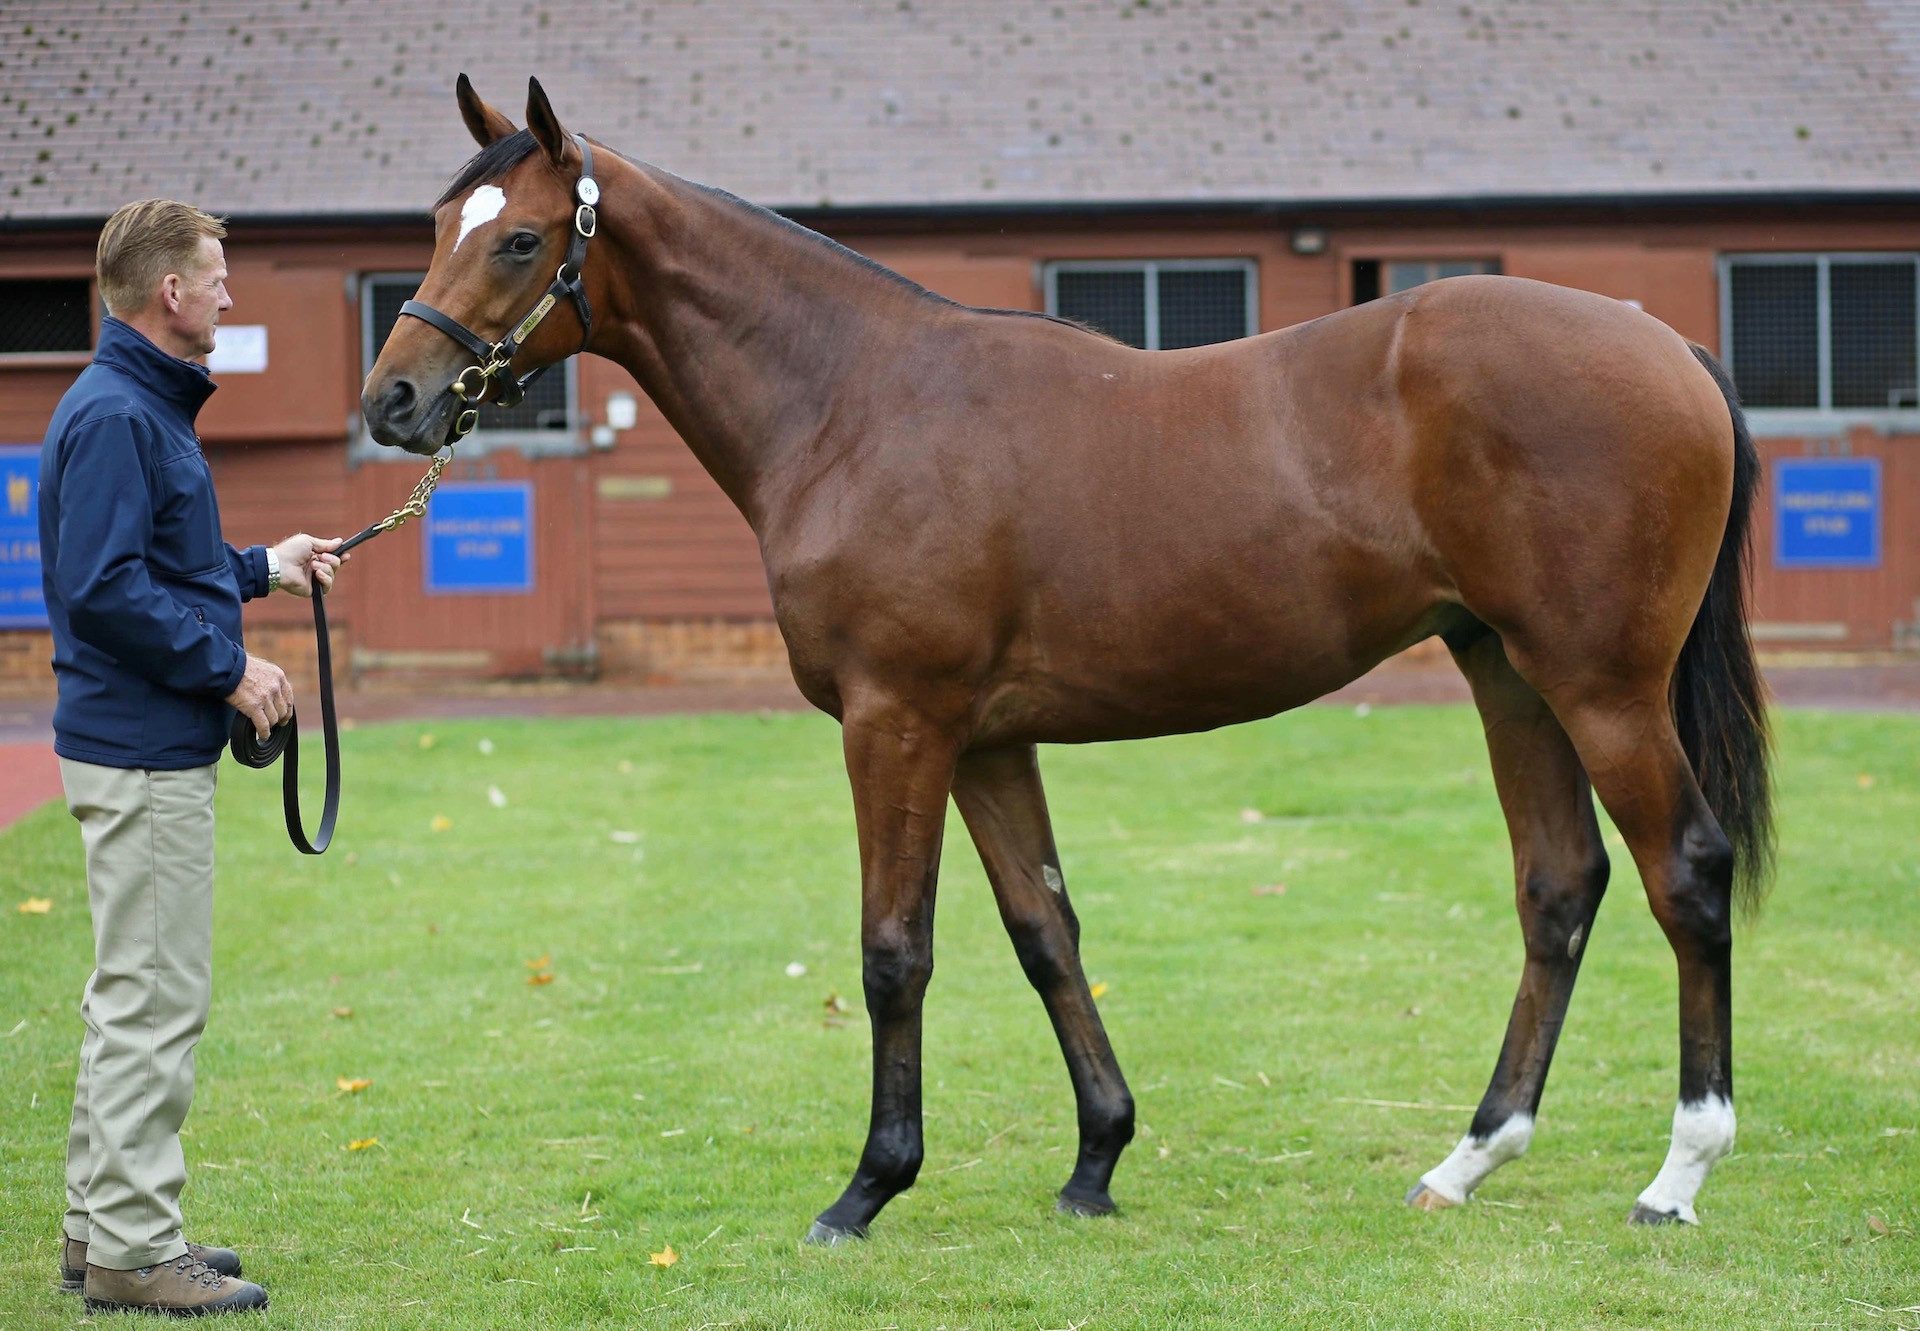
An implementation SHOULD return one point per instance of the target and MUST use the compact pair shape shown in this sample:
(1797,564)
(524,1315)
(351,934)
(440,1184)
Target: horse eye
(523,242)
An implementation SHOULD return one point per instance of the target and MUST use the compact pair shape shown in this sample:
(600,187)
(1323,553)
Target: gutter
(1563,207)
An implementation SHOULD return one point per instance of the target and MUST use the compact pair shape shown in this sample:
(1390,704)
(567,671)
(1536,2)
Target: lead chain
(416,505)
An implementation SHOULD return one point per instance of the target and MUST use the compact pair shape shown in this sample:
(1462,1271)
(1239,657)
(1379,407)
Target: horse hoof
(823,1235)
(1101,1205)
(1422,1198)
(1643,1214)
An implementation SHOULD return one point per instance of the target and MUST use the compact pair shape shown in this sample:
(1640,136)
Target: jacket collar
(180,382)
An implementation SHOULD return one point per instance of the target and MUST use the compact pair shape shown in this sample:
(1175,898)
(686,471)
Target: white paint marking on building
(1472,1160)
(481,207)
(1702,1134)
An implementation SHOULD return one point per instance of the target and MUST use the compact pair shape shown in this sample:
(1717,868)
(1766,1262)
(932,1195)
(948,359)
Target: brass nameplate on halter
(539,313)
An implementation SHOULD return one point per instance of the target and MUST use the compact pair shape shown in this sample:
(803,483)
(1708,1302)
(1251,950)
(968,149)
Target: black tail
(1719,703)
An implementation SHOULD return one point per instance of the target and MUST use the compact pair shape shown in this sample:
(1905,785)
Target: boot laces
(196,1271)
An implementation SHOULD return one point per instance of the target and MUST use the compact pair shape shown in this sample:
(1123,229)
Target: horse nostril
(400,399)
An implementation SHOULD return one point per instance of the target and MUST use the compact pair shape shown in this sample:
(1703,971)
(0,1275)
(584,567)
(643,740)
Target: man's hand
(304,558)
(264,697)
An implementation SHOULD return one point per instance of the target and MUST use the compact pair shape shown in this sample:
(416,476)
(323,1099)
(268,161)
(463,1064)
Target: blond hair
(145,241)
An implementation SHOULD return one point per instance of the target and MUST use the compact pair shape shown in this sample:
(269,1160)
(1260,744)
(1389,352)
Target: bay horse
(985,530)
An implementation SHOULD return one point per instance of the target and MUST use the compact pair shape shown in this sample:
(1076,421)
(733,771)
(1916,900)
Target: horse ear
(546,125)
(486,125)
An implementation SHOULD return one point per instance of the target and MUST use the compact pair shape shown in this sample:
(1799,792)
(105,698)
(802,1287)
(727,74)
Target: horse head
(510,237)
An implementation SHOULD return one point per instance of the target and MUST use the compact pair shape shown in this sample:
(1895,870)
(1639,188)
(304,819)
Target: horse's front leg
(901,766)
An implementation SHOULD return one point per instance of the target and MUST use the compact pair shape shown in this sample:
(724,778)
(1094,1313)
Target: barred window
(1157,304)
(46,314)
(548,405)
(1823,332)
(1374,278)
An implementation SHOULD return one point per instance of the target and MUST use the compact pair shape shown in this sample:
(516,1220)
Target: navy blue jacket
(143,595)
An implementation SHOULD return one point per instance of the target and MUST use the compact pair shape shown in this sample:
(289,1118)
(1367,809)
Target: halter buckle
(475,392)
(586,221)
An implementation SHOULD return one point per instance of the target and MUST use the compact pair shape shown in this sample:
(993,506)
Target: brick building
(1174,172)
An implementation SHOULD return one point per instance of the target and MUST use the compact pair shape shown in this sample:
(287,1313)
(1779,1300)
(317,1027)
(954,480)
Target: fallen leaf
(665,1258)
(1877,1225)
(486,746)
(795,969)
(440,822)
(496,797)
(1866,780)
(1099,990)
(1251,816)
(343,1012)
(541,963)
(835,1003)
(626,767)
(36,906)
(1362,709)
(1271,890)
(624,838)
(427,741)
(353,858)
(353,1085)
(362,1143)
(543,977)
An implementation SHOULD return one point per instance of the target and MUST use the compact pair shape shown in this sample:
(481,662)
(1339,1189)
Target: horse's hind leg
(1641,773)
(1560,873)
(1000,796)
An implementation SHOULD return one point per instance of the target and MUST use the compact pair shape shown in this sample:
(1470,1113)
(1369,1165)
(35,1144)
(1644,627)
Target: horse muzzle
(399,417)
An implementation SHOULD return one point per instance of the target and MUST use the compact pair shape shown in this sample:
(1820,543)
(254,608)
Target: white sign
(239,349)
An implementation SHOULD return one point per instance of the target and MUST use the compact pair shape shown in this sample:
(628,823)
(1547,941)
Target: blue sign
(1826,513)
(479,537)
(23,603)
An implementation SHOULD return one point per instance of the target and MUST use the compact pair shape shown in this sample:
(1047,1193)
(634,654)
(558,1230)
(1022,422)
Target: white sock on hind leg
(1702,1134)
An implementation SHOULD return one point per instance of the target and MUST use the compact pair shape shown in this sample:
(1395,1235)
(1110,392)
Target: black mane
(490,163)
(502,155)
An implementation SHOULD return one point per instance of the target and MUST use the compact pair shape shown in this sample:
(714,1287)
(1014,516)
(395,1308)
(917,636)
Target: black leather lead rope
(250,750)
(284,740)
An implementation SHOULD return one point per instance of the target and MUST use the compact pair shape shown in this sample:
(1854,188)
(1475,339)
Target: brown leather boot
(184,1287)
(73,1262)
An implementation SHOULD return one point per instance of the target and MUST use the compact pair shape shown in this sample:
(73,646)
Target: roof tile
(336,107)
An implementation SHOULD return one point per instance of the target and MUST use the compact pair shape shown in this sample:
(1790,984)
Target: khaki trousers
(149,843)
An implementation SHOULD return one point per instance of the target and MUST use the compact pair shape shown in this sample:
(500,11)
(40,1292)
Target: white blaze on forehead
(481,207)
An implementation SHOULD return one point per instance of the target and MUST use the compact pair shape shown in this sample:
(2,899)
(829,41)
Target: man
(143,597)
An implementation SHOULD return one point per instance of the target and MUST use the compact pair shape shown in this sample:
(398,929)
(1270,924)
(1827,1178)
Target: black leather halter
(494,359)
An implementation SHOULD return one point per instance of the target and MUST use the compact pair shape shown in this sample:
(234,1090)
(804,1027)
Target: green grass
(674,1086)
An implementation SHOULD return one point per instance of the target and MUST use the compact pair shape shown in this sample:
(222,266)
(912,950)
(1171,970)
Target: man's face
(200,298)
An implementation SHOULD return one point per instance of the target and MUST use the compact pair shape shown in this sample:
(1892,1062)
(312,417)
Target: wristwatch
(273,570)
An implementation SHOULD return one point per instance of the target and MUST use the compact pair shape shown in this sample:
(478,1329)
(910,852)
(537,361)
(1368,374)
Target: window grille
(1406,274)
(46,315)
(1374,278)
(1833,334)
(1157,304)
